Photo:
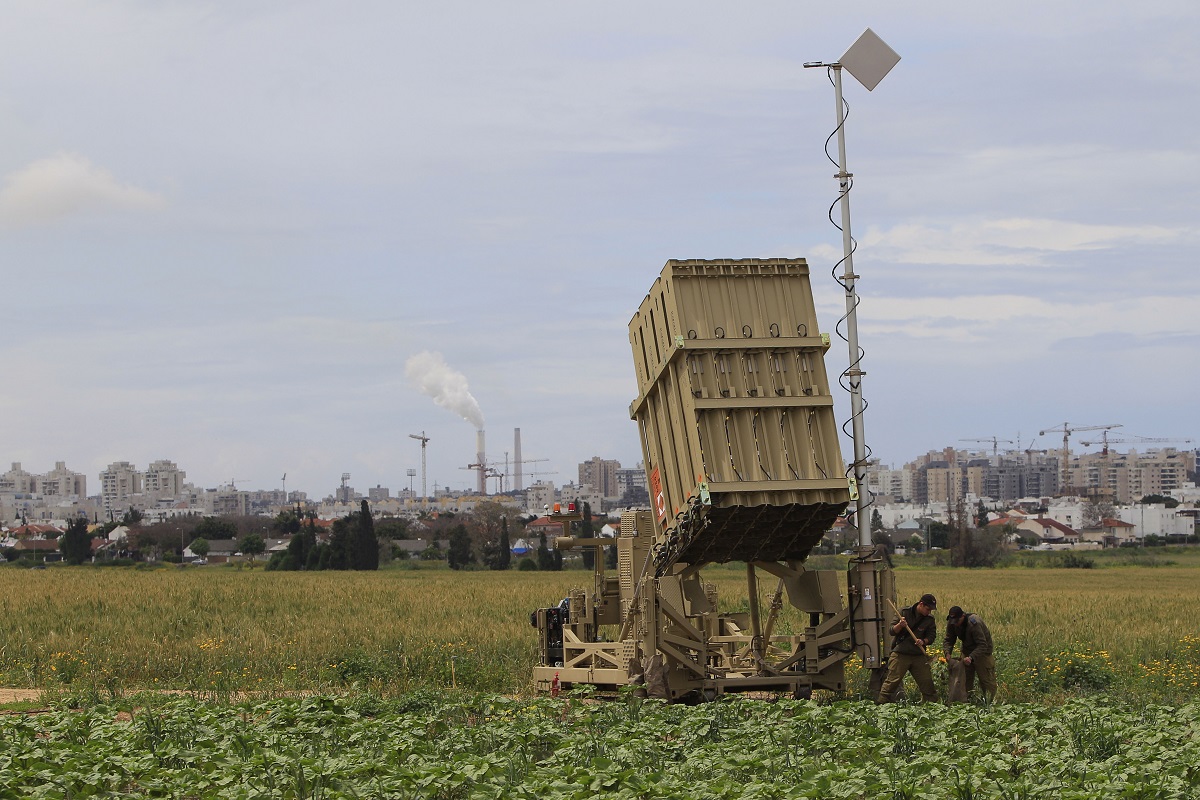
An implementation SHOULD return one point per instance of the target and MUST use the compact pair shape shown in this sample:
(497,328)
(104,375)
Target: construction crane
(499,476)
(1135,439)
(533,474)
(484,469)
(1066,429)
(492,469)
(995,443)
(517,466)
(233,482)
(424,440)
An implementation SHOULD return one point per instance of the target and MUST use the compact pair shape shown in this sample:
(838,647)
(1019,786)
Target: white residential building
(163,481)
(17,480)
(61,482)
(119,483)
(1155,519)
(539,497)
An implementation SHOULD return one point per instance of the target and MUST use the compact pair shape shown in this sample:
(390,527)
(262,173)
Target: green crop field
(444,745)
(1128,631)
(415,683)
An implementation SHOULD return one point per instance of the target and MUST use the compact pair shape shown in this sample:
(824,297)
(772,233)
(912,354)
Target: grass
(1124,630)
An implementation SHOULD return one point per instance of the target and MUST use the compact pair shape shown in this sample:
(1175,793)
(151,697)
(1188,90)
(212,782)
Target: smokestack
(481,460)
(517,470)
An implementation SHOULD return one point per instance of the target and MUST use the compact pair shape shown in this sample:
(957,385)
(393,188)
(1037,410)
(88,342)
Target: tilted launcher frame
(742,454)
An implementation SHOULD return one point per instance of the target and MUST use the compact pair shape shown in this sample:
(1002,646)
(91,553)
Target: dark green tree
(1169,502)
(884,538)
(976,548)
(286,523)
(545,561)
(505,545)
(497,554)
(340,536)
(213,528)
(76,543)
(318,557)
(365,551)
(587,531)
(280,560)
(939,535)
(876,521)
(981,516)
(199,547)
(392,528)
(298,550)
(252,544)
(459,553)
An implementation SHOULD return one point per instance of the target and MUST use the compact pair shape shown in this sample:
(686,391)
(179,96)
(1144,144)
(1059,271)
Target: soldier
(976,649)
(912,633)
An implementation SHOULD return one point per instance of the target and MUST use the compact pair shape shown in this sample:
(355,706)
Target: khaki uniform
(906,657)
(977,644)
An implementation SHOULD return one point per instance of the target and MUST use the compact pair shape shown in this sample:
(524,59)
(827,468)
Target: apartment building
(61,482)
(628,479)
(539,497)
(898,484)
(17,480)
(1128,477)
(163,480)
(119,482)
(601,475)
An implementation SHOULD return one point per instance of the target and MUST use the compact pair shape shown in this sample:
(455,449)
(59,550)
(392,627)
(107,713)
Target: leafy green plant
(1073,561)
(446,745)
(1086,674)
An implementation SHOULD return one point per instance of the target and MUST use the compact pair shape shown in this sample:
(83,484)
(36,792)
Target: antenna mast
(869,59)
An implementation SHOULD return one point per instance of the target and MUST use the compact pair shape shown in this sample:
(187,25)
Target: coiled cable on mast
(845,378)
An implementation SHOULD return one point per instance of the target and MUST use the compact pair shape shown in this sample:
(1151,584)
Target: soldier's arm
(948,642)
(926,631)
(983,638)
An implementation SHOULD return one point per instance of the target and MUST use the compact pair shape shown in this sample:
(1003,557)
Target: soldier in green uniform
(976,649)
(913,632)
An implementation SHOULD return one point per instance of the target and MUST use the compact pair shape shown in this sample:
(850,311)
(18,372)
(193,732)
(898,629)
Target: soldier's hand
(967,661)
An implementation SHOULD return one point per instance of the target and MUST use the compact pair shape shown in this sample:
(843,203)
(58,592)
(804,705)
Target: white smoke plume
(447,386)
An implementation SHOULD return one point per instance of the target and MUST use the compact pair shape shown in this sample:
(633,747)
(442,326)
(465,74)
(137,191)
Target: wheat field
(218,630)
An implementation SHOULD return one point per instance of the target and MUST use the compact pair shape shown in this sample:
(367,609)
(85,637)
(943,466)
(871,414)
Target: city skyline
(576,474)
(226,230)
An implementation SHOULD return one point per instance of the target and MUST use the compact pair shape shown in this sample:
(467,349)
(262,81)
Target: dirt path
(19,695)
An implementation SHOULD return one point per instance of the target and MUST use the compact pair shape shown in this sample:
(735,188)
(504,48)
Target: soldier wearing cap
(912,632)
(976,641)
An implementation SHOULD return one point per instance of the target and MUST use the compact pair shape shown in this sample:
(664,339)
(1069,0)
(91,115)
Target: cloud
(1012,241)
(65,185)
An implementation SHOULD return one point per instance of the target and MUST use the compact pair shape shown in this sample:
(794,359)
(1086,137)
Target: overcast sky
(226,228)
